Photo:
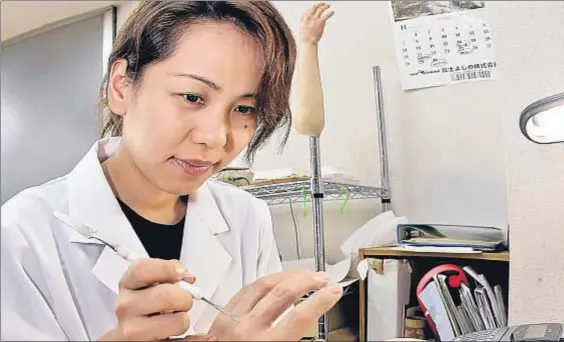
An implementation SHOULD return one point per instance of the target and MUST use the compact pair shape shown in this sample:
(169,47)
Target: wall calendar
(442,42)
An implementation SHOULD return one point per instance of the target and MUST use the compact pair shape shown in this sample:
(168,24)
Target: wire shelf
(292,192)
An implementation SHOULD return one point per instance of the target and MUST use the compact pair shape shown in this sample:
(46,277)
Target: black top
(161,241)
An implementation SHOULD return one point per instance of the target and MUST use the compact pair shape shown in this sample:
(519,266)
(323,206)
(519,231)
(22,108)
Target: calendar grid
(444,48)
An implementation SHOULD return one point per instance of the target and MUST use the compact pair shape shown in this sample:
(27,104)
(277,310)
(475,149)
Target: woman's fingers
(250,295)
(298,321)
(285,294)
(247,298)
(157,327)
(155,299)
(151,305)
(263,302)
(147,272)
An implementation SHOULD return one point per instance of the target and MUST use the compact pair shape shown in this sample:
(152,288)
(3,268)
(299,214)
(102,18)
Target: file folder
(488,239)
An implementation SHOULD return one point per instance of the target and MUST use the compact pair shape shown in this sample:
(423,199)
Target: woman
(189,86)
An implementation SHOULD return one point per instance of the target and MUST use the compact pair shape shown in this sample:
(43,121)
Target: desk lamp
(543,121)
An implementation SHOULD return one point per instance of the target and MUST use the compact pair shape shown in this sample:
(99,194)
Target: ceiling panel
(19,17)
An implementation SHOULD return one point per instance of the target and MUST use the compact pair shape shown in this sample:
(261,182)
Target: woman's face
(194,112)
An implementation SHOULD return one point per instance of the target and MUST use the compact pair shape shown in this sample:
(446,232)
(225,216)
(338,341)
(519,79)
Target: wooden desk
(390,253)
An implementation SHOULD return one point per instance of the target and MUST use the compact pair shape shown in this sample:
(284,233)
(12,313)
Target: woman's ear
(117,87)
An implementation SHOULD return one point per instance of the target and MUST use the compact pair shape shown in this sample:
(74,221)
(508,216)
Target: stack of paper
(288,174)
(472,312)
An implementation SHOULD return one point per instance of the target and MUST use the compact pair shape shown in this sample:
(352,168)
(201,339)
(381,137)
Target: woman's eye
(247,110)
(193,98)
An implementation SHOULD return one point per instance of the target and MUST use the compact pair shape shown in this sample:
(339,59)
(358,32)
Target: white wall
(531,49)
(124,9)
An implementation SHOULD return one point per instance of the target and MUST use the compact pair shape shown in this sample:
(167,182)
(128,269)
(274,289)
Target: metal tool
(131,256)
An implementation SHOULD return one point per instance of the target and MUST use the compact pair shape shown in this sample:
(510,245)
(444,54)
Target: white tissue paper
(377,232)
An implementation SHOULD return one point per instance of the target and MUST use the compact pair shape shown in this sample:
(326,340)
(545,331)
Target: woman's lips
(194,167)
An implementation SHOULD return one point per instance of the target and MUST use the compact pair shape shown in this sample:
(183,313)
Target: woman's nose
(211,130)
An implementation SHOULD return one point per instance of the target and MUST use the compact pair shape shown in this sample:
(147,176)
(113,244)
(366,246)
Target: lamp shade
(543,121)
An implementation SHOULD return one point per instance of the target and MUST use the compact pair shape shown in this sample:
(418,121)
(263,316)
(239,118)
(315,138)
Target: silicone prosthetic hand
(309,118)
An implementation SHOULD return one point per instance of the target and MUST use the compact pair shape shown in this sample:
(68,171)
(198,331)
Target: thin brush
(131,256)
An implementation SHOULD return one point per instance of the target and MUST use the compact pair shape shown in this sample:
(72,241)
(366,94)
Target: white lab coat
(58,285)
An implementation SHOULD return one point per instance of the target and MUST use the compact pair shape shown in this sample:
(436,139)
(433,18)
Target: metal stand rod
(316,189)
(384,171)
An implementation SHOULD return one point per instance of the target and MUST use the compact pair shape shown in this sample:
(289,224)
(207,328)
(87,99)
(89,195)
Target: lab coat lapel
(202,252)
(92,202)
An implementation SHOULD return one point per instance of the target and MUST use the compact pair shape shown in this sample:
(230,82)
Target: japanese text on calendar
(442,42)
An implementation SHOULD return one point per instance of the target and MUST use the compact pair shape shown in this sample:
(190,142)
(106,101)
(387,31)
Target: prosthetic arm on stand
(309,120)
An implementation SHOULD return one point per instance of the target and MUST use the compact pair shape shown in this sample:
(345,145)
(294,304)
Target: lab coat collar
(92,202)
(202,252)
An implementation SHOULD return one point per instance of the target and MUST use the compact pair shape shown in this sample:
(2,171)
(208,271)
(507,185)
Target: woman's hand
(313,23)
(260,304)
(150,305)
